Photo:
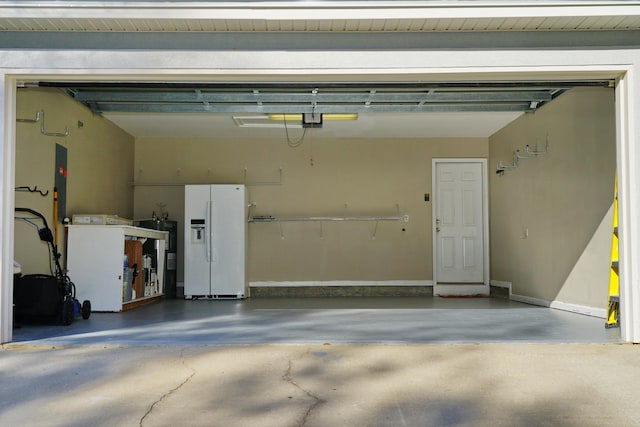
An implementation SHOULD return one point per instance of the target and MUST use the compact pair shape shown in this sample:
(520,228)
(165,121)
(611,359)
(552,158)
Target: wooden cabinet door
(133,249)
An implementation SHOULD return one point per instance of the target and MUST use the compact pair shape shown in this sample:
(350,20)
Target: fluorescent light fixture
(297,117)
(261,121)
(294,120)
(293,117)
(310,120)
(340,117)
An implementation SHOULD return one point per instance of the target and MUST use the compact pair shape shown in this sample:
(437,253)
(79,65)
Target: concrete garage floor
(317,363)
(325,320)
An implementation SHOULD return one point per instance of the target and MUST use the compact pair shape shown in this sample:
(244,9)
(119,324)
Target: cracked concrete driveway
(321,385)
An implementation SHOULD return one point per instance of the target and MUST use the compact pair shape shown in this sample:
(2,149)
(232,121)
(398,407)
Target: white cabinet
(95,260)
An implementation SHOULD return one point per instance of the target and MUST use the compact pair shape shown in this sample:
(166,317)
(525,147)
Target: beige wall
(99,163)
(562,198)
(371,176)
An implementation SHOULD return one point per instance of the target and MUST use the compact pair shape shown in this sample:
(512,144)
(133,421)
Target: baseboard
(581,309)
(412,288)
(461,290)
(342,283)
(558,305)
(362,288)
(501,284)
(531,300)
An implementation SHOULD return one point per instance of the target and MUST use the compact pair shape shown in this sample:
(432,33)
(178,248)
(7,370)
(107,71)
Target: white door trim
(461,289)
(628,158)
(8,92)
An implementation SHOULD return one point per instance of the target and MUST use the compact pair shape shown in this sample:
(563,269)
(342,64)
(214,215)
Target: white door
(197,245)
(459,223)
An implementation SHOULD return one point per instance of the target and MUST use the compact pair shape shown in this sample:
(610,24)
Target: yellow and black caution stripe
(613,310)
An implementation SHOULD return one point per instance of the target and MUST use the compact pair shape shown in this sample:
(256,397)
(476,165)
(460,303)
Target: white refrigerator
(215,240)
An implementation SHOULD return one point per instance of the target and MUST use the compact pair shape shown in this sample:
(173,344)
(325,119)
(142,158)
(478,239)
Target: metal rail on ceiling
(322,97)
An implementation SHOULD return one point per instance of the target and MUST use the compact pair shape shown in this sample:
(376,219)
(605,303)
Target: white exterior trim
(312,10)
(7,162)
(628,160)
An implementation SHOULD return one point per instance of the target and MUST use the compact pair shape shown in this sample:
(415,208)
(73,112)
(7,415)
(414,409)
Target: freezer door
(228,219)
(197,244)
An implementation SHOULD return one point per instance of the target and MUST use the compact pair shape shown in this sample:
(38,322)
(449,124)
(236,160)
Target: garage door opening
(361,174)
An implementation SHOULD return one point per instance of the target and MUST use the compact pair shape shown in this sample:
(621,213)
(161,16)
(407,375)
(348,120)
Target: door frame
(471,289)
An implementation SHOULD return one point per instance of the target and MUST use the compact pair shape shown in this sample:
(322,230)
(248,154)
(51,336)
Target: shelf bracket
(537,152)
(502,167)
(37,119)
(524,156)
(58,134)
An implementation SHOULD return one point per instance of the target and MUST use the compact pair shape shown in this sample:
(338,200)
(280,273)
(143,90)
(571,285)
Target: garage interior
(549,145)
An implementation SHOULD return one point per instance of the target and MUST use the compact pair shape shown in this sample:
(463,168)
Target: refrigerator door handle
(212,248)
(207,232)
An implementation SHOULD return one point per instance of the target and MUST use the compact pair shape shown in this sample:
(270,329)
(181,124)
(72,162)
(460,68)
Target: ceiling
(383,109)
(380,125)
